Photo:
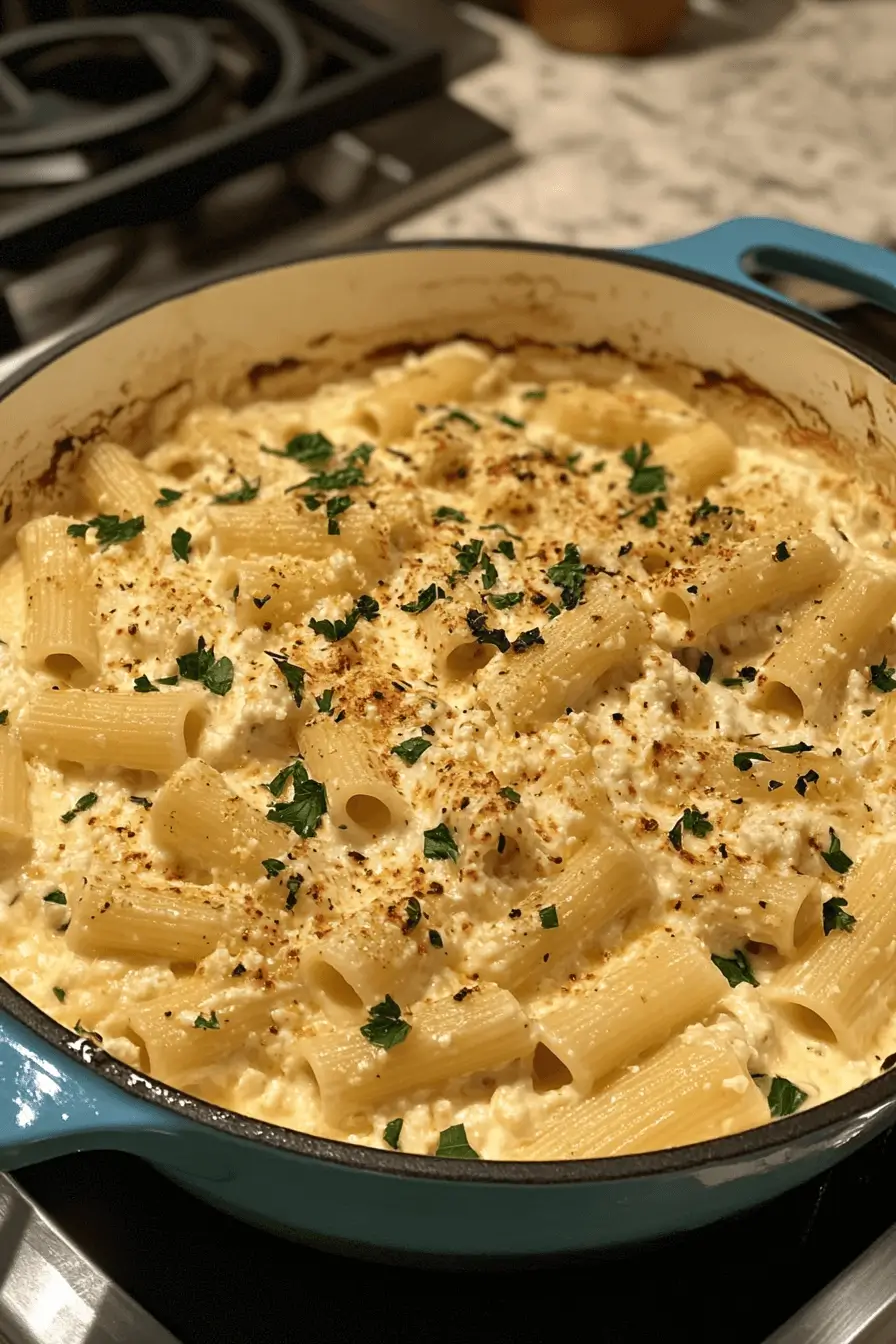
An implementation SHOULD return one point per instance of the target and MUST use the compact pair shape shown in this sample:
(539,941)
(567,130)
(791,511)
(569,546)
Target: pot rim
(820,1123)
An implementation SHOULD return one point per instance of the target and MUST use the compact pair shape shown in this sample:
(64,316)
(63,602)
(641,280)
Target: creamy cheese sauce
(651,736)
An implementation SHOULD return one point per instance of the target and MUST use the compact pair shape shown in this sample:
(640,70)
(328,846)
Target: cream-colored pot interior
(279,331)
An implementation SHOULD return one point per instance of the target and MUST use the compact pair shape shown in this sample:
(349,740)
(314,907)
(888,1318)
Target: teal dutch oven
(270,333)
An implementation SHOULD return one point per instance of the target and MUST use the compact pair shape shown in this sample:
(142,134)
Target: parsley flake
(304,448)
(549,917)
(489,573)
(882,678)
(453,1143)
(56,897)
(834,856)
(273,866)
(703,510)
(209,1023)
(141,801)
(744,759)
(247,490)
(180,544)
(335,506)
(506,549)
(439,843)
(84,802)
(569,575)
(509,420)
(325,701)
(651,517)
(736,969)
(803,782)
(781,551)
(4,716)
(458,415)
(510,794)
(110,529)
(167,497)
(835,916)
(343,478)
(501,601)
(309,801)
(292,891)
(292,674)
(447,515)
(527,639)
(392,1133)
(477,622)
(413,915)
(386,1029)
(435,939)
(693,821)
(60,993)
(704,667)
(144,685)
(425,598)
(795,749)
(365,608)
(644,480)
(215,674)
(411,750)
(535,394)
(784,1097)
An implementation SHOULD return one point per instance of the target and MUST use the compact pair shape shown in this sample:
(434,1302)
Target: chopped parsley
(292,891)
(505,548)
(835,916)
(736,969)
(535,394)
(795,748)
(509,420)
(527,639)
(87,1032)
(744,759)
(343,478)
(84,802)
(704,667)
(273,866)
(292,674)
(56,897)
(803,782)
(733,683)
(386,1028)
(651,517)
(413,915)
(425,598)
(834,856)
(703,510)
(784,1097)
(459,415)
(549,917)
(569,575)
(362,453)
(882,678)
(411,750)
(700,539)
(552,610)
(4,716)
(248,490)
(748,673)
(435,939)
(510,794)
(366,608)
(477,622)
(325,701)
(693,821)
(644,480)
(447,515)
(144,685)
(110,529)
(468,557)
(260,601)
(439,843)
(209,1023)
(180,544)
(499,527)
(335,506)
(501,601)
(60,993)
(392,1133)
(141,801)
(304,448)
(453,1143)
(781,551)
(489,573)
(295,771)
(167,497)
(309,801)
(215,674)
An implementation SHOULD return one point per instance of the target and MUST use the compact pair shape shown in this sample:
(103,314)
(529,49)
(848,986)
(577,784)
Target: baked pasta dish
(465,759)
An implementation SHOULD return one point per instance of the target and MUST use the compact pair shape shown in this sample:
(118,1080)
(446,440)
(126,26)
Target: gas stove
(145,143)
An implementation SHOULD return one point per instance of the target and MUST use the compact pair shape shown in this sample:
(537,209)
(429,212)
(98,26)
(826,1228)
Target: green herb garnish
(392,1133)
(882,678)
(144,685)
(180,544)
(784,1097)
(703,511)
(835,916)
(141,801)
(505,548)
(439,843)
(273,866)
(834,856)
(795,749)
(335,506)
(309,801)
(60,993)
(510,794)
(366,608)
(56,897)
(704,667)
(325,701)
(386,1028)
(343,478)
(736,969)
(651,517)
(803,782)
(458,415)
(411,750)
(110,529)
(549,917)
(446,515)
(435,939)
(489,573)
(84,802)
(644,480)
(167,497)
(569,575)
(425,598)
(477,622)
(527,639)
(453,1143)
(215,674)
(501,601)
(248,490)
(304,448)
(292,674)
(744,759)
(209,1023)
(509,420)
(781,551)
(693,821)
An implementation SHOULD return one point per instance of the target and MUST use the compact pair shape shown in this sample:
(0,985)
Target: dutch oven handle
(730,251)
(50,1104)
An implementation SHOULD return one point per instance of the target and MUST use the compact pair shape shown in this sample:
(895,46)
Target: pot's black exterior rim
(813,1128)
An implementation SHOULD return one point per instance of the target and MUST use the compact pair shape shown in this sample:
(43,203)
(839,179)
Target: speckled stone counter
(780,107)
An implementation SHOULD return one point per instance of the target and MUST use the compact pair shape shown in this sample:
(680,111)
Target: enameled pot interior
(282,331)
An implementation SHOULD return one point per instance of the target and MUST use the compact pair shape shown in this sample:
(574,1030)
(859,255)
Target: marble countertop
(778,107)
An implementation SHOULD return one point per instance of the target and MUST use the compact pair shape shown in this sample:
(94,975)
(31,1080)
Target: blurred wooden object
(629,27)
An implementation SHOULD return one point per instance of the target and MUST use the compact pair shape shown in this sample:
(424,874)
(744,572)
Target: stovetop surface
(211,1280)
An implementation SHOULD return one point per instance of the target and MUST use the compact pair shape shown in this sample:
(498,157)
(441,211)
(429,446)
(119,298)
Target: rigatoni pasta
(486,756)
